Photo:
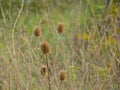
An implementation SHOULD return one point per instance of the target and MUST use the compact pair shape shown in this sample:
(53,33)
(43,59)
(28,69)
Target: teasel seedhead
(63,75)
(60,28)
(45,47)
(44,70)
(37,31)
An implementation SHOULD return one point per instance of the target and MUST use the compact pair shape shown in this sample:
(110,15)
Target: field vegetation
(59,44)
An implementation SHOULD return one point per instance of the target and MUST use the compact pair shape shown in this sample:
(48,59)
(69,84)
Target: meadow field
(59,44)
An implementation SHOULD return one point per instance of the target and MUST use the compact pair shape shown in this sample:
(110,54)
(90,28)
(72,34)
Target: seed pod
(37,31)
(45,47)
(60,28)
(63,75)
(44,70)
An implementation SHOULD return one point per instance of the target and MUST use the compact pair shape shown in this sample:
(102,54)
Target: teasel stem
(61,83)
(49,81)
(59,88)
(9,74)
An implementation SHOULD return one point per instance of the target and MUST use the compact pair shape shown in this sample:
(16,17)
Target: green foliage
(73,72)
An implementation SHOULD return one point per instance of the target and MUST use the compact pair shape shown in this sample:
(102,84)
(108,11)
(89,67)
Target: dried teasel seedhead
(37,31)
(63,75)
(44,70)
(60,28)
(45,47)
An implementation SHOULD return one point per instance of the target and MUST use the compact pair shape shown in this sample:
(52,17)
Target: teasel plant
(60,29)
(45,47)
(62,77)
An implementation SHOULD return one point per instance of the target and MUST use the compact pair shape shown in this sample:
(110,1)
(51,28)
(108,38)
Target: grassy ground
(88,50)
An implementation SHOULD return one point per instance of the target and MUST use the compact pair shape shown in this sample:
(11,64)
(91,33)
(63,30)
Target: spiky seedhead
(60,28)
(37,31)
(45,47)
(44,70)
(63,75)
